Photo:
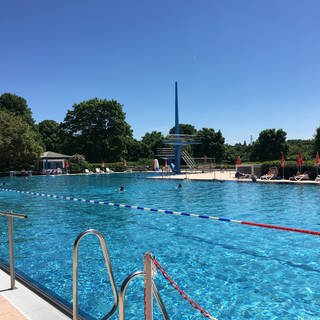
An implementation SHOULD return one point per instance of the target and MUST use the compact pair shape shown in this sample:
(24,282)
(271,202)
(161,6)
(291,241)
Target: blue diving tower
(179,140)
(177,153)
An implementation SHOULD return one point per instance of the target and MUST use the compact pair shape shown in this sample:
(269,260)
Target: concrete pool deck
(22,304)
(226,175)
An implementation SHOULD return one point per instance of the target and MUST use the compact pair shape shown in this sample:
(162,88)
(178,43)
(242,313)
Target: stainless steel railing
(148,273)
(150,288)
(10,216)
(108,265)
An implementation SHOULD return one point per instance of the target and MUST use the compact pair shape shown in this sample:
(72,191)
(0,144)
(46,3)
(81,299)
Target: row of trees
(267,147)
(97,128)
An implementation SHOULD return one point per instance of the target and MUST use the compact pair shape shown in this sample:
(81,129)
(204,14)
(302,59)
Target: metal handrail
(108,265)
(188,159)
(14,215)
(123,292)
(160,302)
(10,216)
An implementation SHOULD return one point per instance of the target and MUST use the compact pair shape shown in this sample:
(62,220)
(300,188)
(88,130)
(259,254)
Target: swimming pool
(233,271)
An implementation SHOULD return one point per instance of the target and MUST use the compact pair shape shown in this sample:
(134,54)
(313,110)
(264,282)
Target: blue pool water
(233,271)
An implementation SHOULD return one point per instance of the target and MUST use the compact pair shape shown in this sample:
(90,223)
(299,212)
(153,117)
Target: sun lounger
(300,177)
(98,170)
(317,179)
(268,176)
(272,174)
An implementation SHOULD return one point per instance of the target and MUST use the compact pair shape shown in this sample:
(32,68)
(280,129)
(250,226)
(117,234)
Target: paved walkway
(226,175)
(23,304)
(8,311)
(218,175)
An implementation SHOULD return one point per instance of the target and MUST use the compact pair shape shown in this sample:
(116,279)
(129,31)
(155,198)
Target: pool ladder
(150,288)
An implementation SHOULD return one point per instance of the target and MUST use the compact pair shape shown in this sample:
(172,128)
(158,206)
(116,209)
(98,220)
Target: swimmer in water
(121,188)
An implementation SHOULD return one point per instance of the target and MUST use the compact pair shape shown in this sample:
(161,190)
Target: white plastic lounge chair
(98,170)
(268,176)
(303,176)
(272,174)
(300,177)
(317,179)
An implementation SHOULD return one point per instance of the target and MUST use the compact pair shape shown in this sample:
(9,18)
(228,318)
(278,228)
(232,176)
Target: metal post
(10,216)
(75,284)
(148,287)
(10,234)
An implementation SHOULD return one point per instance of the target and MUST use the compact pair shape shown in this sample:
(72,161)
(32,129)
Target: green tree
(16,105)
(154,141)
(50,133)
(269,145)
(137,150)
(239,149)
(98,129)
(20,145)
(299,145)
(316,145)
(212,145)
(184,129)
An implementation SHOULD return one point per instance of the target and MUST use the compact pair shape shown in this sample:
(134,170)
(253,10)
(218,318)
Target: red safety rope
(182,293)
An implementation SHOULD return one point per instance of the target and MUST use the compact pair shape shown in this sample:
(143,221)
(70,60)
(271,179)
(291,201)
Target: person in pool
(179,186)
(121,188)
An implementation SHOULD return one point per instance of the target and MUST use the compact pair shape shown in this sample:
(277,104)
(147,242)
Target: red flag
(283,160)
(238,161)
(317,159)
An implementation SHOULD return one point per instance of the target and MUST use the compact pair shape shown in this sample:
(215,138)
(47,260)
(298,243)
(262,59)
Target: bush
(78,167)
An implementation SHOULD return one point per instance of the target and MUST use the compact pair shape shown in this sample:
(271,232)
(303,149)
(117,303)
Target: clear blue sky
(242,66)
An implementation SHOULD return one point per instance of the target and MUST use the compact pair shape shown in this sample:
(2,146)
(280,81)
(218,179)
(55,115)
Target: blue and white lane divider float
(178,213)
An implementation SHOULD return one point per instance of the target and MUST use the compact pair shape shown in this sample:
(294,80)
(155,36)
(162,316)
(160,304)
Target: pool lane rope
(177,213)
